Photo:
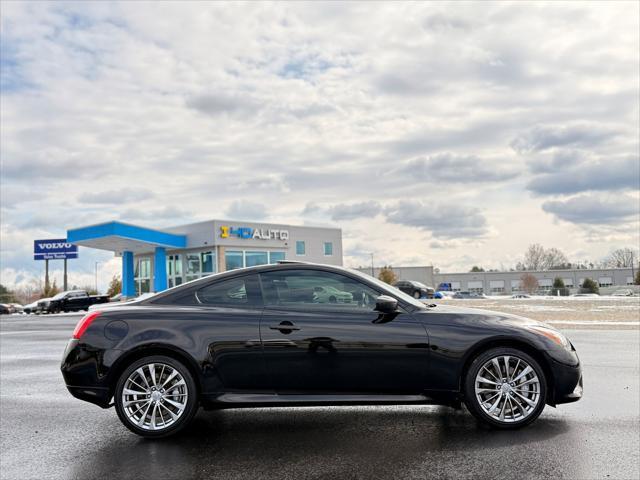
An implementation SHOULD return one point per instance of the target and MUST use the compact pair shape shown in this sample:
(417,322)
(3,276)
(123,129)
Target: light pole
(373,274)
(96,272)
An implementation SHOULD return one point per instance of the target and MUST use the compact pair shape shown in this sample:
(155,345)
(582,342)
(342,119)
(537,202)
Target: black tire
(192,399)
(416,294)
(472,402)
(333,299)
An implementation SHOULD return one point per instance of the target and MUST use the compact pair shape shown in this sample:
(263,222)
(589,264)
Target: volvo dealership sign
(56,249)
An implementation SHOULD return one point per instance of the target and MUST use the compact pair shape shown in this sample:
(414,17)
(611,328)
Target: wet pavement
(45,433)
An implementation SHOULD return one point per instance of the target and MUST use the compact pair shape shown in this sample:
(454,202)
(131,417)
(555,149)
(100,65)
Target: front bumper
(567,382)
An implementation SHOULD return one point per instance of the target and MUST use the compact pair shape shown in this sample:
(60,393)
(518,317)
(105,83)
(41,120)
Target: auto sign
(55,249)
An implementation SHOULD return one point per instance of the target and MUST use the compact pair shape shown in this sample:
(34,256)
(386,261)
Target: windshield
(392,290)
(419,285)
(59,296)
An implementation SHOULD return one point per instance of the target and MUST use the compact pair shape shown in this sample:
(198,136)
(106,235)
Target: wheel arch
(149,350)
(510,342)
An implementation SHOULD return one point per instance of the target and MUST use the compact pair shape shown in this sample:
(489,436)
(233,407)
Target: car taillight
(84,323)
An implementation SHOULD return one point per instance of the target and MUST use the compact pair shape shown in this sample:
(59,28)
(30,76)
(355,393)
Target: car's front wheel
(505,388)
(416,294)
(156,396)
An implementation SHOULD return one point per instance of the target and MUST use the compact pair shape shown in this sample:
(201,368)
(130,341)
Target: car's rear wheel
(505,388)
(156,397)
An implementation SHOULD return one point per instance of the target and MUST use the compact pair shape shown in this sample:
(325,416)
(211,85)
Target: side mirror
(386,304)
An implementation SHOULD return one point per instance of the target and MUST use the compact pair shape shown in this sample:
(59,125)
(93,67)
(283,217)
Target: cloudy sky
(444,134)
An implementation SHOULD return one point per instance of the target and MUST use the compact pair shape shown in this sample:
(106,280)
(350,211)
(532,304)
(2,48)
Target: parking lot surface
(45,433)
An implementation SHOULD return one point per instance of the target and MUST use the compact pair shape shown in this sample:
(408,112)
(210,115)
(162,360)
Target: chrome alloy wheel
(154,396)
(507,389)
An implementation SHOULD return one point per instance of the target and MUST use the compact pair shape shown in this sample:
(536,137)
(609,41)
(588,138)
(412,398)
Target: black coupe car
(259,336)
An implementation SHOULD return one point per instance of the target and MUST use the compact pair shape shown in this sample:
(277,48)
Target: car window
(233,292)
(317,290)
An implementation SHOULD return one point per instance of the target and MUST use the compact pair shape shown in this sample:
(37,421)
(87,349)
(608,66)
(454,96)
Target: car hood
(481,315)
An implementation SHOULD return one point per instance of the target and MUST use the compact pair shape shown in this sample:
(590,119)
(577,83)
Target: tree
(115,286)
(534,257)
(620,258)
(51,289)
(538,258)
(475,268)
(387,275)
(559,287)
(589,286)
(528,283)
(554,259)
(6,295)
(637,279)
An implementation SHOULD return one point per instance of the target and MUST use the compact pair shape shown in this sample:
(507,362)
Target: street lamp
(372,270)
(96,272)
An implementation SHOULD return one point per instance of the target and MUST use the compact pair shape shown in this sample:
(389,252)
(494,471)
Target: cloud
(450,167)
(354,210)
(605,174)
(450,221)
(246,210)
(116,197)
(544,137)
(595,209)
(220,103)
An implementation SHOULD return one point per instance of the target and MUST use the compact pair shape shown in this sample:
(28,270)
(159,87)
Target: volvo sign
(56,249)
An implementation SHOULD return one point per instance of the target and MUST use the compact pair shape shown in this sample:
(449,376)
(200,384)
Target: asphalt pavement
(45,433)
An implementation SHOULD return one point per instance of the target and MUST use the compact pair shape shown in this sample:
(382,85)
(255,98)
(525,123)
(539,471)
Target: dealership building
(156,259)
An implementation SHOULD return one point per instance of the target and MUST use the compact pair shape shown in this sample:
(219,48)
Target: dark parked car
(259,337)
(415,289)
(5,309)
(468,295)
(73,301)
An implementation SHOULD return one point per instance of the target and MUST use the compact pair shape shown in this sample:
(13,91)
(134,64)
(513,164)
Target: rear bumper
(567,383)
(84,375)
(96,395)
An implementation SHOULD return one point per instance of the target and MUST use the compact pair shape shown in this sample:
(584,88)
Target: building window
(255,258)
(234,260)
(275,257)
(193,266)
(174,270)
(328,249)
(142,275)
(605,281)
(208,261)
(300,247)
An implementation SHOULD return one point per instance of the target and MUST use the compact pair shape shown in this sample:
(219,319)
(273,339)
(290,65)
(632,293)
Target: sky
(445,134)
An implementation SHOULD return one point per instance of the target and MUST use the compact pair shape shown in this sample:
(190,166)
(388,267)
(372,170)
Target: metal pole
(96,277)
(65,276)
(46,277)
(373,274)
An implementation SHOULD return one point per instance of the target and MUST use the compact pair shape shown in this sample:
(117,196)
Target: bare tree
(534,258)
(528,283)
(555,259)
(622,257)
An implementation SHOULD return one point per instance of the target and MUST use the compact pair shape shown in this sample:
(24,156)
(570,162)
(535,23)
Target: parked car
(520,295)
(624,292)
(43,305)
(415,289)
(202,344)
(329,294)
(444,294)
(73,301)
(468,295)
(16,308)
(31,307)
(5,309)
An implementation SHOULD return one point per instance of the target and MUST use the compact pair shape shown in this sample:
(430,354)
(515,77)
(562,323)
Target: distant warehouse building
(155,259)
(497,283)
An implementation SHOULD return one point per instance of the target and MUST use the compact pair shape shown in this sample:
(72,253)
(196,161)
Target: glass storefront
(142,275)
(174,270)
(241,258)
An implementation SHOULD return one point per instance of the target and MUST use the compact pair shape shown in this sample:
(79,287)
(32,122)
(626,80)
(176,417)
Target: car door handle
(285,326)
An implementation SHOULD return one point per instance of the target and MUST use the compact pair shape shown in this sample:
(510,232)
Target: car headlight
(552,335)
